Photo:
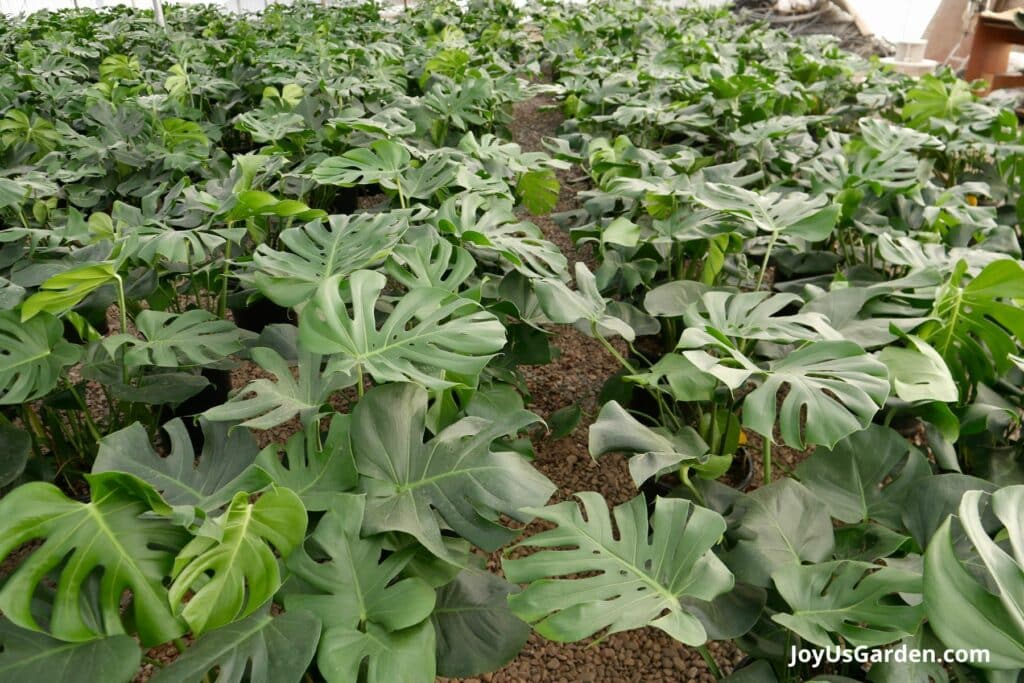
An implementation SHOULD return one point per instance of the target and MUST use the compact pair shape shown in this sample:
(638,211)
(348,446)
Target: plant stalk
(710,661)
(766,455)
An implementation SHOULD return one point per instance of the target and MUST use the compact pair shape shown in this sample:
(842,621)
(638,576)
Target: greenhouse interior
(511,341)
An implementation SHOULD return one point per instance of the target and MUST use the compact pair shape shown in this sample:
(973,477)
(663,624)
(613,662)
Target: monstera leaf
(317,251)
(114,536)
(476,631)
(455,476)
(857,601)
(224,468)
(430,262)
(33,355)
(616,431)
(390,165)
(258,649)
(264,404)
(538,191)
(637,580)
(918,372)
(231,575)
(834,387)
(64,291)
(963,612)
(362,602)
(753,315)
(173,340)
(429,331)
(779,525)
(583,307)
(314,471)
(795,214)
(31,656)
(866,476)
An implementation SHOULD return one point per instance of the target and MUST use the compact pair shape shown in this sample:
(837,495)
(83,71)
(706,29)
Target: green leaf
(317,251)
(616,431)
(455,478)
(315,472)
(172,340)
(898,672)
(779,525)
(794,214)
(360,600)
(965,613)
(223,469)
(538,191)
(428,332)
(112,535)
(918,372)
(430,261)
(638,580)
(263,404)
(583,307)
(17,444)
(33,355)
(753,315)
(231,576)
(31,656)
(563,421)
(252,203)
(476,631)
(855,601)
(867,476)
(64,291)
(405,656)
(258,649)
(834,388)
(621,231)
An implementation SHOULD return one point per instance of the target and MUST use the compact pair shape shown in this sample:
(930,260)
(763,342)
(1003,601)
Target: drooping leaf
(583,307)
(779,525)
(64,291)
(172,340)
(965,613)
(754,315)
(31,656)
(259,649)
(33,355)
(230,576)
(616,431)
(476,631)
(856,601)
(639,579)
(17,444)
(866,476)
(538,191)
(112,534)
(918,372)
(404,656)
(455,477)
(428,332)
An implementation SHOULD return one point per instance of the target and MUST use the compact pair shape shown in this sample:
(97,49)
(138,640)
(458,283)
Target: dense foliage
(796,247)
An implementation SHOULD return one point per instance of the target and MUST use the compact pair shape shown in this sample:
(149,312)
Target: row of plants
(804,248)
(797,247)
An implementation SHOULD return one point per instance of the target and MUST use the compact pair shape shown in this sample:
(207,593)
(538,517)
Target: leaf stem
(710,661)
(766,455)
(767,257)
(222,304)
(122,305)
(611,349)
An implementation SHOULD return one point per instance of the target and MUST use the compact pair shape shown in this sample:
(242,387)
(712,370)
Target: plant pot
(215,394)
(257,314)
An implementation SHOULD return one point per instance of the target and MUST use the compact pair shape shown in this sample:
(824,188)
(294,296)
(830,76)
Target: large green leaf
(779,525)
(856,601)
(383,162)
(313,470)
(224,468)
(112,535)
(173,340)
(33,355)
(454,478)
(17,445)
(833,388)
(538,191)
(428,332)
(476,631)
(64,291)
(754,315)
(32,656)
(362,602)
(866,476)
(616,431)
(794,214)
(965,613)
(258,649)
(316,251)
(430,261)
(583,307)
(638,579)
(230,570)
(918,372)
(263,404)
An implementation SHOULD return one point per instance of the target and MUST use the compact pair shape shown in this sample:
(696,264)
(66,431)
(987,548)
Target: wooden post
(158,14)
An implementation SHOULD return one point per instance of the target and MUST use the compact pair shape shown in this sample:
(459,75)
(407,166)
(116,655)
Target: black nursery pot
(257,314)
(214,394)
